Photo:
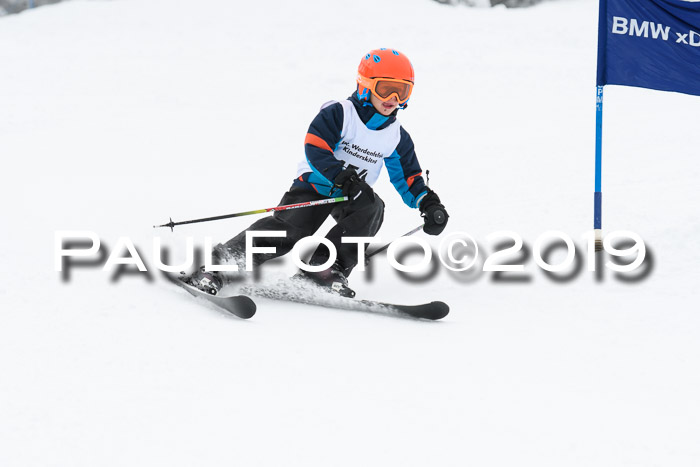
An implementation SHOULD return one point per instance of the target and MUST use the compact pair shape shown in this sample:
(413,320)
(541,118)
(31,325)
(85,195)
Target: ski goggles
(384,88)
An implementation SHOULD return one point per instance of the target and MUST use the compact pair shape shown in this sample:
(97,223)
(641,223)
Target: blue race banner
(650,44)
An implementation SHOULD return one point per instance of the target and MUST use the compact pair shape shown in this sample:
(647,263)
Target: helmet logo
(377,58)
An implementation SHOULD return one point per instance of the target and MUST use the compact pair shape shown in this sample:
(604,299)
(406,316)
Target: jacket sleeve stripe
(412,178)
(317,141)
(396,176)
(405,172)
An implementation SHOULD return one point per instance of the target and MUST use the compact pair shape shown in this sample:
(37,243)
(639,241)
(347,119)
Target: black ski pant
(353,220)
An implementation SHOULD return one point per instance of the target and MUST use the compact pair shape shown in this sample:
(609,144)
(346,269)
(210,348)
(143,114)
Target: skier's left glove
(434,214)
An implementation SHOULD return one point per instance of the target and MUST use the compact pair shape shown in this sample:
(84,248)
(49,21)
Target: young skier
(346,146)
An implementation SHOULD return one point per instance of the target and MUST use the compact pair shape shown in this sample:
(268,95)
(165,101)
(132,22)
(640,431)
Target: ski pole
(306,204)
(384,247)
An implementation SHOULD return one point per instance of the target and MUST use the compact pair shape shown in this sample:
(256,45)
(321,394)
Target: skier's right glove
(354,187)
(434,214)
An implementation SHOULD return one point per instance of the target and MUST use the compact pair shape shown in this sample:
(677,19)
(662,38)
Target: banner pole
(598,195)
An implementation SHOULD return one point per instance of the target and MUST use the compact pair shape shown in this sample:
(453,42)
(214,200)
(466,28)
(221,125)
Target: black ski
(293,291)
(239,305)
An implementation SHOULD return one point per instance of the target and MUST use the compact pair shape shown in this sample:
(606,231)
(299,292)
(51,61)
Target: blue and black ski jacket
(352,133)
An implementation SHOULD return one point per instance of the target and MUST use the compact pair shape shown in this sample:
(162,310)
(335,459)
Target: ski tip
(431,311)
(245,307)
(438,310)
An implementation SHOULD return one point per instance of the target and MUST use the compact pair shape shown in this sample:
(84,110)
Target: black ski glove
(434,214)
(354,187)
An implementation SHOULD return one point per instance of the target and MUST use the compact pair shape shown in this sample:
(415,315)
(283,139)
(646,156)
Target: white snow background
(116,115)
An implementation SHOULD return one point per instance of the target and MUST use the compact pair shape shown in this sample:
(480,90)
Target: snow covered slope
(115,115)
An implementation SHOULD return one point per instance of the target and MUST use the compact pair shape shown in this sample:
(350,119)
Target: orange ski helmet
(394,67)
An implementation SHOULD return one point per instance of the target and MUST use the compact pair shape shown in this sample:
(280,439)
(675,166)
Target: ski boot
(206,281)
(332,279)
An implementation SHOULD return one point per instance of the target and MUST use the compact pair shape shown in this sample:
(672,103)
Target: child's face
(384,107)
